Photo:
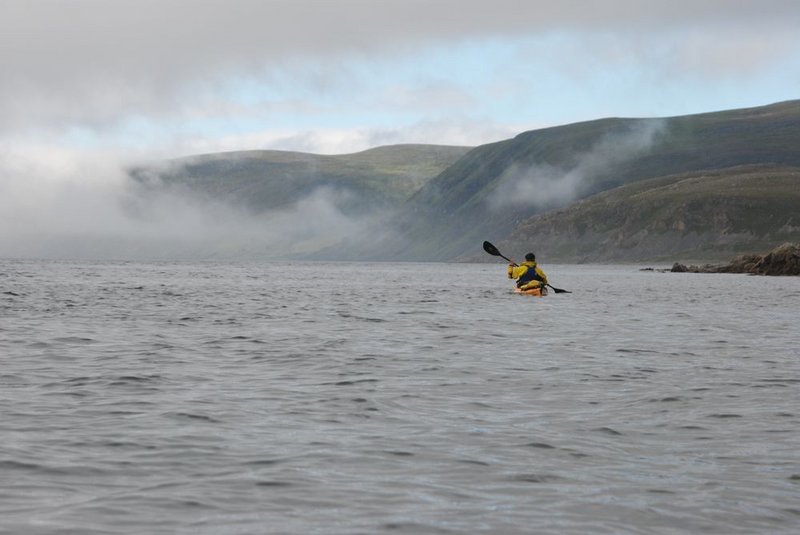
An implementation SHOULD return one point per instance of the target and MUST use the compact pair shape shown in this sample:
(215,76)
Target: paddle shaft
(507,258)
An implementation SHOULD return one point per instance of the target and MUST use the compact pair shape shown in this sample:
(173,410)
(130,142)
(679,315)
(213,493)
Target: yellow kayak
(538,292)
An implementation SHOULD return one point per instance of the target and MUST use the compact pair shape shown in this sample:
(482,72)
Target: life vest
(529,275)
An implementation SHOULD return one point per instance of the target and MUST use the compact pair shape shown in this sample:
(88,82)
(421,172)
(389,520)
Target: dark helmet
(530,257)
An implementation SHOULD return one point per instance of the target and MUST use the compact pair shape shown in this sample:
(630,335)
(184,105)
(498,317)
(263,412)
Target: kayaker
(528,274)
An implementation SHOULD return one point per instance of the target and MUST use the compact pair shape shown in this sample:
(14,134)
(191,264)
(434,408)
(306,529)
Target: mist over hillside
(379,178)
(282,204)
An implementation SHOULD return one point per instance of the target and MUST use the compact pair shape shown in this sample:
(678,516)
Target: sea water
(239,398)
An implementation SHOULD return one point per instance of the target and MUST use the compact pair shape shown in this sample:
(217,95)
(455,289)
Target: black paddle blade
(491,249)
(559,290)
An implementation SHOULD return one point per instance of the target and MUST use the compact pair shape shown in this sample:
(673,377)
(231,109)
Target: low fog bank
(57,204)
(546,186)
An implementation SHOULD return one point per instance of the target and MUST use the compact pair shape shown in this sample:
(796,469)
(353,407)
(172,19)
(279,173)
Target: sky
(178,77)
(90,85)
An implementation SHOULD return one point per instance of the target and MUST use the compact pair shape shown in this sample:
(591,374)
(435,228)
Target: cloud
(739,52)
(546,186)
(126,58)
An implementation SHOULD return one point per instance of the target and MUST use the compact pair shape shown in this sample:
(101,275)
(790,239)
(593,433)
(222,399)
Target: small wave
(263,462)
(191,416)
(414,527)
(41,468)
(608,431)
(273,484)
(540,445)
(18,465)
(352,382)
(74,381)
(131,445)
(75,340)
(781,380)
(361,318)
(126,380)
(399,453)
(11,379)
(170,293)
(535,478)
(137,378)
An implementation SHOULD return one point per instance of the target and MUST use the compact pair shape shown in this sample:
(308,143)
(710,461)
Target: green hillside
(477,198)
(375,179)
(693,216)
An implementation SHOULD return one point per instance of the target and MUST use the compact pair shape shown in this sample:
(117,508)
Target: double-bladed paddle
(492,250)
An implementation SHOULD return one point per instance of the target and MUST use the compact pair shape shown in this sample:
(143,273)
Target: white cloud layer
(97,63)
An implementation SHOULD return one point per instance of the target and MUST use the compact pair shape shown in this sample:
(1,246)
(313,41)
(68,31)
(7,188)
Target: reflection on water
(412,398)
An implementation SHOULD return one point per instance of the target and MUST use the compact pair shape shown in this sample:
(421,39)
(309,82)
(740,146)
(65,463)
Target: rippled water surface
(411,398)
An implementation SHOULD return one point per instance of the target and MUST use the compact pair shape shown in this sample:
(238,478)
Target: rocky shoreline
(783,260)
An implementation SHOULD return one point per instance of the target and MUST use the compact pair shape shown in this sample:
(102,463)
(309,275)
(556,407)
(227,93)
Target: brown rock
(784,260)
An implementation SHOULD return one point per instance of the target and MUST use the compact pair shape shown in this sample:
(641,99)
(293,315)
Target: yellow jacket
(515,272)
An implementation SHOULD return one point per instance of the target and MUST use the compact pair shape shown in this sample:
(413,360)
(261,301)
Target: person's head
(530,257)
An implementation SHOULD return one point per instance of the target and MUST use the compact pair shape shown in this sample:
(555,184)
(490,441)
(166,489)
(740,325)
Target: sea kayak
(538,292)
